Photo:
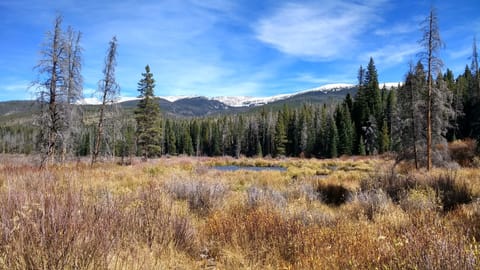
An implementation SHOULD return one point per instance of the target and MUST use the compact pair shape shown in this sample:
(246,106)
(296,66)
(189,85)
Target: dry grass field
(179,213)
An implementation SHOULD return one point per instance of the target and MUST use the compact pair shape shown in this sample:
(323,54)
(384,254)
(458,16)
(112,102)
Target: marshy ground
(180,213)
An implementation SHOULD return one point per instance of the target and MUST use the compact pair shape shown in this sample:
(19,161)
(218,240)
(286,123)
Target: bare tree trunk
(432,42)
(99,134)
(51,65)
(109,91)
(429,95)
(414,130)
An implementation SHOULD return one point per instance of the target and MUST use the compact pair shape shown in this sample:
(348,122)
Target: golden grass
(178,213)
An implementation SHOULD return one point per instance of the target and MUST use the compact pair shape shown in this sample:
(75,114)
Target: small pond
(229,168)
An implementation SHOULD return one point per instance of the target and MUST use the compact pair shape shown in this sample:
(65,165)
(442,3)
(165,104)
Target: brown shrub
(463,151)
(48,227)
(449,190)
(333,194)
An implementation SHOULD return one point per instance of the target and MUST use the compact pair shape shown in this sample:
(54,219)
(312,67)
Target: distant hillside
(189,107)
(314,97)
(23,111)
(17,111)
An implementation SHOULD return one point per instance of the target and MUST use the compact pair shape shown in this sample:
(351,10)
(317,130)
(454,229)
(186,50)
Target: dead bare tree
(432,43)
(73,90)
(108,89)
(59,80)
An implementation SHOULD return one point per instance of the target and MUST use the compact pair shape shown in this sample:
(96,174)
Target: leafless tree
(432,43)
(108,89)
(59,82)
(73,90)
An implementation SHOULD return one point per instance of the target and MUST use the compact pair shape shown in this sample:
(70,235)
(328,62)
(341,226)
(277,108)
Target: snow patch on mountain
(175,98)
(96,101)
(256,101)
(246,101)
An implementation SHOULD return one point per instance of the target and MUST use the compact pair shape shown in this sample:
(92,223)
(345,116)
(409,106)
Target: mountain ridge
(199,106)
(246,101)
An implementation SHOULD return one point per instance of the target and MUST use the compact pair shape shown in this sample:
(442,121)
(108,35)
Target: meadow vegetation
(179,213)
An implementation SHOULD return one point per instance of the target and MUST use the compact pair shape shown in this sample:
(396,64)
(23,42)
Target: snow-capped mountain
(198,106)
(254,101)
(249,101)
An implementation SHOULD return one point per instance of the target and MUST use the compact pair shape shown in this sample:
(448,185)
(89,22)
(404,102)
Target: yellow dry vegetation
(180,213)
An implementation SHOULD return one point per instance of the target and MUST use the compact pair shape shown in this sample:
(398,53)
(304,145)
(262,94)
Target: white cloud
(88,92)
(17,87)
(391,55)
(322,31)
(462,54)
(312,79)
(176,38)
(398,29)
(16,90)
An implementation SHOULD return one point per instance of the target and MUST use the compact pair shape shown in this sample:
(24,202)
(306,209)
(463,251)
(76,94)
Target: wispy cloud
(323,31)
(463,53)
(18,90)
(174,37)
(230,47)
(319,80)
(397,29)
(393,54)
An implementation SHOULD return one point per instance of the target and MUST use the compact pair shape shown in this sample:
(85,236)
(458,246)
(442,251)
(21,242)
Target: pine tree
(361,110)
(373,91)
(280,136)
(170,138)
(196,137)
(147,116)
(370,134)
(361,147)
(259,152)
(390,109)
(474,95)
(345,129)
(332,138)
(303,128)
(385,138)
(187,142)
(324,135)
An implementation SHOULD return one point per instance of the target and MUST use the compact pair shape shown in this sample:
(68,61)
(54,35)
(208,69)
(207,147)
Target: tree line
(415,120)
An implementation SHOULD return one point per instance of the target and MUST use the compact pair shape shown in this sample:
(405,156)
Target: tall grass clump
(265,196)
(47,226)
(154,220)
(372,202)
(202,196)
(264,234)
(393,184)
(463,151)
(451,191)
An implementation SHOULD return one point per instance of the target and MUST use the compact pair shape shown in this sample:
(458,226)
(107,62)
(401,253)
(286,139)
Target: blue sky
(233,47)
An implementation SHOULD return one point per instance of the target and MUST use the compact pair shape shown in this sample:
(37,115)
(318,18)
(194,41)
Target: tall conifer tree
(147,116)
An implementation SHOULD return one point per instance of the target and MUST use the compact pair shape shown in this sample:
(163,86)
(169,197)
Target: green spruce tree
(147,116)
